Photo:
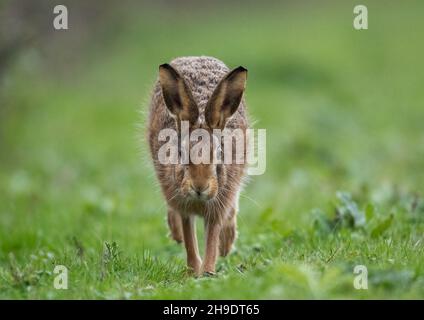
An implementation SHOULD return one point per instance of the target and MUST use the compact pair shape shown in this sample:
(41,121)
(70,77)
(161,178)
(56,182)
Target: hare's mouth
(199,197)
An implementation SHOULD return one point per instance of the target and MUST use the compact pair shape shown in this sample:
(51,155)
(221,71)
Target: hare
(205,93)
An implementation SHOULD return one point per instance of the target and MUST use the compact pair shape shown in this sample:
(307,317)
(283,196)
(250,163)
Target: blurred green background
(343,110)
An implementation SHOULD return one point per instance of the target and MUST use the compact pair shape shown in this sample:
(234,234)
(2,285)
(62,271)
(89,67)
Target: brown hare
(205,94)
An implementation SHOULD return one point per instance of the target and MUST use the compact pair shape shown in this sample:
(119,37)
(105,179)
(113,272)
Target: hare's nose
(199,189)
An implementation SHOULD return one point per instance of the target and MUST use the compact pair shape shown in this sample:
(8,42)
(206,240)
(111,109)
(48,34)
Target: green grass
(344,183)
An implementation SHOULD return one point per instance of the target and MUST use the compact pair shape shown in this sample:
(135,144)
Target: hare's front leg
(175,225)
(190,242)
(228,233)
(212,231)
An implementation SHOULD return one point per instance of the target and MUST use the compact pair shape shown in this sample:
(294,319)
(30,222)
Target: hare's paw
(194,267)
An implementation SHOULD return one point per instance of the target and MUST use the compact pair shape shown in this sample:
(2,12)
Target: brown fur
(189,87)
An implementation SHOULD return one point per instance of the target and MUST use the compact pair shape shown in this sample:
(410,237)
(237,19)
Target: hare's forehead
(201,134)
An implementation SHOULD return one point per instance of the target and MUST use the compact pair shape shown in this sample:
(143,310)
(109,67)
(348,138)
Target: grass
(344,183)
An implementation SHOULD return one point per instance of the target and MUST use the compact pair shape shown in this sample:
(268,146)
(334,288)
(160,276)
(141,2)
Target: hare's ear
(226,98)
(177,95)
